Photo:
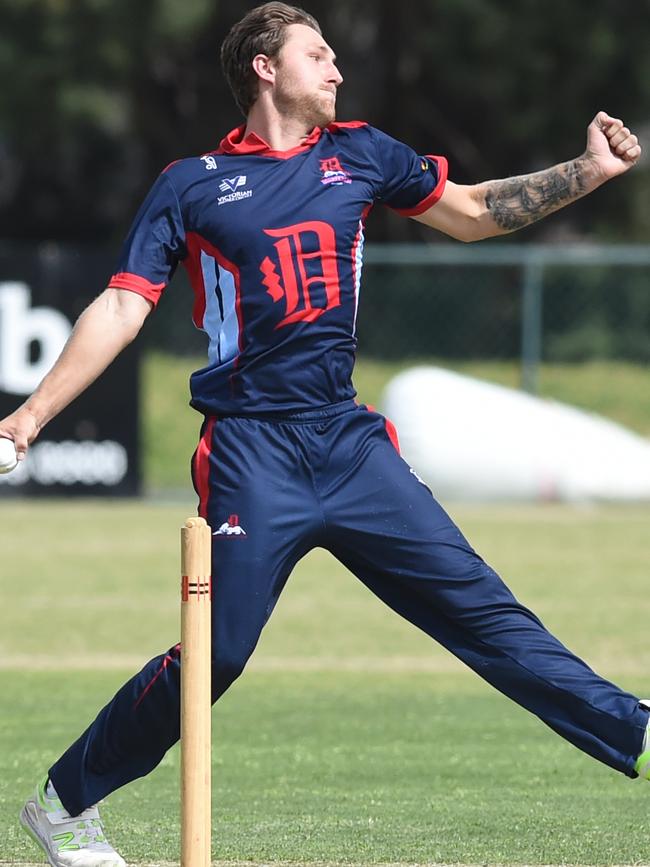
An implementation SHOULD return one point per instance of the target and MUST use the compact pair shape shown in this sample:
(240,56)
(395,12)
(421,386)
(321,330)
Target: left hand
(611,147)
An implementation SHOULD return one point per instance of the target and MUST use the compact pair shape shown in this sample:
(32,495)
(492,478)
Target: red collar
(235,143)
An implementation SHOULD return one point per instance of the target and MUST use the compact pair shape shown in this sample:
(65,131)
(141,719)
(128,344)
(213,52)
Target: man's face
(307,78)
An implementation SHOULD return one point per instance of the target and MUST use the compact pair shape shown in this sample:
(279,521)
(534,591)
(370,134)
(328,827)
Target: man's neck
(279,132)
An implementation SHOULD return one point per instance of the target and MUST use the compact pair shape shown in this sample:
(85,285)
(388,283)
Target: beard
(311,109)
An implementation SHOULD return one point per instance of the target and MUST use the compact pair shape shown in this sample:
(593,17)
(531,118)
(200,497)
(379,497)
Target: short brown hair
(260,31)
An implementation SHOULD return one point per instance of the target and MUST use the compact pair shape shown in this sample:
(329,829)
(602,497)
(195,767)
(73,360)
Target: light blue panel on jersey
(220,321)
(357,266)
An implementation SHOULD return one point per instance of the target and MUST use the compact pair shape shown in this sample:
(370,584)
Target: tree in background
(99,95)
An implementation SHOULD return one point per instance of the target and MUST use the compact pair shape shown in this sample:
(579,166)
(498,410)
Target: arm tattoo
(516,202)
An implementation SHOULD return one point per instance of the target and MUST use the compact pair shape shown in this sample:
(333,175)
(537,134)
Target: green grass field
(618,390)
(352,738)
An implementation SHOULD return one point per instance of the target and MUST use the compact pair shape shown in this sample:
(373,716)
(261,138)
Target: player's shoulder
(185,171)
(351,129)
(355,135)
(345,126)
(357,131)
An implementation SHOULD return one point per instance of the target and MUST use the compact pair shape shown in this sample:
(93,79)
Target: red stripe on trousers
(202,467)
(173,654)
(391,430)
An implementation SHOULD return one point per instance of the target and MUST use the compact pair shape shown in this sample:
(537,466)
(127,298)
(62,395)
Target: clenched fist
(611,147)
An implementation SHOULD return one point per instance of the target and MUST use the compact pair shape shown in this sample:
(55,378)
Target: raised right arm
(102,331)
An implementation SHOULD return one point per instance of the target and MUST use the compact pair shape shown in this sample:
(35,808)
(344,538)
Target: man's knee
(227,665)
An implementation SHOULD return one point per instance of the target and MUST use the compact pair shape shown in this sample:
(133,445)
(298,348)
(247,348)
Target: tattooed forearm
(516,202)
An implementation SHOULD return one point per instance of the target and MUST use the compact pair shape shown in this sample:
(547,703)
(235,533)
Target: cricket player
(270,227)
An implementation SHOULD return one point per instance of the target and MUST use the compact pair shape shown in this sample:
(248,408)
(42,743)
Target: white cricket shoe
(642,765)
(68,841)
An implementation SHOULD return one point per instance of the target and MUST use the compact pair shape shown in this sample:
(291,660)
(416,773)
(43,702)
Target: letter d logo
(21,326)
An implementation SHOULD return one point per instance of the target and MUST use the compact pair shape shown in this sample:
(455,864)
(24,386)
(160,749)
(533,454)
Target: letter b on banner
(20,328)
(91,448)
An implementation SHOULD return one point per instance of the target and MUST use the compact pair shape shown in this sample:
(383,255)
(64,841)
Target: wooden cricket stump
(196,704)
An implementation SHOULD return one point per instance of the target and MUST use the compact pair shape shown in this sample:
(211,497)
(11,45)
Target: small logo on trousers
(231,527)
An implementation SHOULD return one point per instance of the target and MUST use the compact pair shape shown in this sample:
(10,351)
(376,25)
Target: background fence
(487,309)
(494,301)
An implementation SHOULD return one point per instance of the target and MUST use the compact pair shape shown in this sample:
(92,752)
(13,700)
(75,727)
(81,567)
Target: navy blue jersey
(273,245)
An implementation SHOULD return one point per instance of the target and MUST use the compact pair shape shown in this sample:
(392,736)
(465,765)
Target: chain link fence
(480,302)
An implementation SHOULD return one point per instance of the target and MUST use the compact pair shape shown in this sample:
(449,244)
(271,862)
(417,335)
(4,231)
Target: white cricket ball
(8,459)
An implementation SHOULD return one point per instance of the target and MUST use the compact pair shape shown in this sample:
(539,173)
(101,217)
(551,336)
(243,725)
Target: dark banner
(91,448)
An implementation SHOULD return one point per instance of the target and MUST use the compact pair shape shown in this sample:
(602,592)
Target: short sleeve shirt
(273,245)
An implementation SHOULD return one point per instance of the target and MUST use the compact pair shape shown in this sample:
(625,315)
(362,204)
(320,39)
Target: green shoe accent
(49,805)
(59,835)
(642,765)
(67,842)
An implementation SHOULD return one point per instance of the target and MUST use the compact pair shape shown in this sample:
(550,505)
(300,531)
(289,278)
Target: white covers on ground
(473,440)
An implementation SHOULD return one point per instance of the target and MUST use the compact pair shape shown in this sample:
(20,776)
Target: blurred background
(346,742)
(99,95)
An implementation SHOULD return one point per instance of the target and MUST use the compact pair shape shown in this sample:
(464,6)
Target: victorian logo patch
(232,189)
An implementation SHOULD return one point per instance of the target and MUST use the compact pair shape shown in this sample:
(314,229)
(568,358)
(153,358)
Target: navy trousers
(273,489)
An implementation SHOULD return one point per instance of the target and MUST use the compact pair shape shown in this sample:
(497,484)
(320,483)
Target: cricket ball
(8,459)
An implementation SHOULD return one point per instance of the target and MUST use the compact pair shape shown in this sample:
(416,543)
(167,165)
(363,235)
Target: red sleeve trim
(139,285)
(433,196)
